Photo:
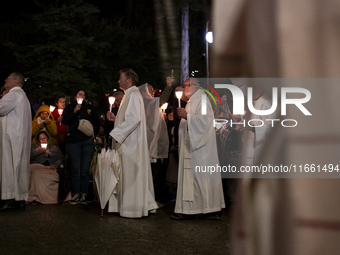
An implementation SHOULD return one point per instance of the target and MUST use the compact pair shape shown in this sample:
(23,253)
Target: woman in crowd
(44,180)
(43,121)
(80,146)
(62,129)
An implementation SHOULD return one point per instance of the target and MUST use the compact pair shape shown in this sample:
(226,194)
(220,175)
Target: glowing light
(209,37)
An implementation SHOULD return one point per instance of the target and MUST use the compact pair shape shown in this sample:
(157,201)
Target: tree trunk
(185,43)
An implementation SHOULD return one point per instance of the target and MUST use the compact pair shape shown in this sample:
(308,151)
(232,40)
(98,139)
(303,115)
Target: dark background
(124,35)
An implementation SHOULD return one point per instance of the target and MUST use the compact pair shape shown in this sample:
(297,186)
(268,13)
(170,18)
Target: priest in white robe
(16,130)
(135,196)
(197,192)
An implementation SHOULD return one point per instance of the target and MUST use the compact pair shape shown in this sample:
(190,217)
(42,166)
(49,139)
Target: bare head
(127,78)
(191,85)
(15,79)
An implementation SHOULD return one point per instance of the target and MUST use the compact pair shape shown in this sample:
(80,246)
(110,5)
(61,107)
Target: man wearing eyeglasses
(15,142)
(198,192)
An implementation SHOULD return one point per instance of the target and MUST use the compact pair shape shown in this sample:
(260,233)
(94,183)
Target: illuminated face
(61,103)
(43,138)
(151,90)
(10,81)
(190,86)
(80,94)
(44,115)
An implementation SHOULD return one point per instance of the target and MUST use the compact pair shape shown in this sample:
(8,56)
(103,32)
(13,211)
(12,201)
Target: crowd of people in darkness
(151,143)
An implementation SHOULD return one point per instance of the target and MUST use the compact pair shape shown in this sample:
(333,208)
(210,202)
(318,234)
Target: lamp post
(208,39)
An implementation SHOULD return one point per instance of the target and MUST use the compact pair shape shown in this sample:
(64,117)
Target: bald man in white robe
(197,192)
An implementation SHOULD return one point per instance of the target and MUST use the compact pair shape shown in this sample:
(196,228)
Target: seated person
(43,178)
(43,121)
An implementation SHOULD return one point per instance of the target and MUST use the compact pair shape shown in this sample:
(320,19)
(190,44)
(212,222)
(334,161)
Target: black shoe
(6,205)
(36,203)
(20,205)
(74,200)
(212,216)
(180,216)
(83,200)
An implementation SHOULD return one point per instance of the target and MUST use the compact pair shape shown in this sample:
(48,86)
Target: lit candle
(164,106)
(60,111)
(44,145)
(179,96)
(111,101)
(80,100)
(51,110)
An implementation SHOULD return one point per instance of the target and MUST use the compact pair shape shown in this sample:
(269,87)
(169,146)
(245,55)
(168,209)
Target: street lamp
(208,39)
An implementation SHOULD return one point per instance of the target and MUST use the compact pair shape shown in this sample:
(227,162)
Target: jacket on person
(51,128)
(71,119)
(52,154)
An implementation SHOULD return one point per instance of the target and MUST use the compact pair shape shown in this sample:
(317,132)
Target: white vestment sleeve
(199,126)
(132,119)
(8,103)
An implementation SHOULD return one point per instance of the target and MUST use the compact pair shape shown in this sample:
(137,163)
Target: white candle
(164,106)
(52,108)
(60,111)
(179,96)
(80,100)
(44,145)
(111,101)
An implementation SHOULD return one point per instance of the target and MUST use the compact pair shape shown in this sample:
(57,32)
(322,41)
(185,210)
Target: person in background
(44,179)
(79,146)
(136,195)
(43,121)
(15,140)
(158,141)
(62,128)
(198,192)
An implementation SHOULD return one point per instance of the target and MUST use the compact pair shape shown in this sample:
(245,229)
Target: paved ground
(78,229)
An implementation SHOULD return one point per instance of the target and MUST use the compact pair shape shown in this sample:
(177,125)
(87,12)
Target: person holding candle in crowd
(198,192)
(15,140)
(44,179)
(157,136)
(79,146)
(109,123)
(62,128)
(43,121)
(136,194)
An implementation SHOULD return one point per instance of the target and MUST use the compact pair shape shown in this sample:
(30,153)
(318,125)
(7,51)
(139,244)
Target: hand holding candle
(51,110)
(80,100)
(60,111)
(164,106)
